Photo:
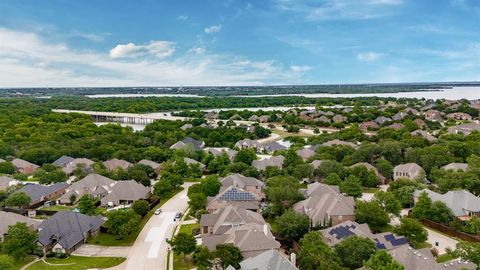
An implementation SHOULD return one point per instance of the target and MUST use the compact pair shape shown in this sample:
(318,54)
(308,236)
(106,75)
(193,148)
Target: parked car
(177,216)
(158,211)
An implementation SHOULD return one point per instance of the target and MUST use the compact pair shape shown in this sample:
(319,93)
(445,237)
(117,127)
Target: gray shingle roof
(63,161)
(461,202)
(275,161)
(127,191)
(36,192)
(68,228)
(9,219)
(268,260)
(241,181)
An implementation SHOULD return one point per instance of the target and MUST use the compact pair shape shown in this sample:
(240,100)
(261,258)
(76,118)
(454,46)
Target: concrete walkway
(101,251)
(444,241)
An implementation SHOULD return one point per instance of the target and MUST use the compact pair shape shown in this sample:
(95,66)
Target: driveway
(443,241)
(101,251)
(150,249)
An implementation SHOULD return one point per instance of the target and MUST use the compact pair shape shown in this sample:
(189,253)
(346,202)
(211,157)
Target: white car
(158,211)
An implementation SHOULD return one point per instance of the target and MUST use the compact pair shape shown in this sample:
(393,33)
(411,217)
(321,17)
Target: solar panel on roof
(399,242)
(389,237)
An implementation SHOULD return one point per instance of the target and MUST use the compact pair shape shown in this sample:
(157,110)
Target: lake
(469,93)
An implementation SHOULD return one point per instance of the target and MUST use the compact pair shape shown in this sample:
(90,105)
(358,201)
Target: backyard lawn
(19,265)
(179,263)
(105,239)
(77,263)
(58,208)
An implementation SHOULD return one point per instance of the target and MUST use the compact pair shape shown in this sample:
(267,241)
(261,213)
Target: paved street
(150,249)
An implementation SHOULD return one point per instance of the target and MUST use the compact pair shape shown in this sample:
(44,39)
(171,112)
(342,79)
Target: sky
(92,43)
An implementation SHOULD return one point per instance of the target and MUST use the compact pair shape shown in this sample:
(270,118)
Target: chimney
(293,259)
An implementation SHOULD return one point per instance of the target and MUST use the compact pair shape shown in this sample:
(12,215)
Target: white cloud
(159,49)
(369,56)
(197,50)
(339,9)
(213,29)
(27,60)
(182,18)
(300,69)
(89,36)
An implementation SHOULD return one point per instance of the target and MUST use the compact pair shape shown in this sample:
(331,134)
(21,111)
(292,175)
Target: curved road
(150,249)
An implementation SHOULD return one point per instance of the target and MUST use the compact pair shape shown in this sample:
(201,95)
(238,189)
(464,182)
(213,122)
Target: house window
(205,229)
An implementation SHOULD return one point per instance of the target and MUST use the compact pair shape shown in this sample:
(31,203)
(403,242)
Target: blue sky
(232,42)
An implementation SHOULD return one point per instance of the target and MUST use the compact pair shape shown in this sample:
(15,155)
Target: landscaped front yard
(179,263)
(77,263)
(187,228)
(105,239)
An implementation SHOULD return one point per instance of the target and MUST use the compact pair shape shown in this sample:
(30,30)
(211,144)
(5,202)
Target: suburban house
(339,118)
(249,184)
(340,232)
(63,161)
(9,219)
(23,166)
(339,142)
(152,164)
(399,116)
(94,185)
(6,182)
(408,170)
(369,125)
(125,192)
(369,167)
(460,116)
(396,126)
(190,161)
(464,129)
(234,196)
(316,163)
(462,203)
(323,119)
(456,167)
(268,260)
(244,229)
(188,141)
(433,115)
(415,259)
(271,147)
(85,163)
(115,164)
(218,151)
(420,123)
(305,153)
(40,193)
(275,161)
(427,136)
(247,144)
(325,205)
(382,120)
(186,126)
(66,231)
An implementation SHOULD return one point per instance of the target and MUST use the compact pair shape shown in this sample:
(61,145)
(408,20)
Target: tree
(473,225)
(7,168)
(282,192)
(20,241)
(163,189)
(371,213)
(423,207)
(292,225)
(353,251)
(413,230)
(351,186)
(384,167)
(86,205)
(389,202)
(381,260)
(440,212)
(405,195)
(329,166)
(202,258)
(332,179)
(210,185)
(229,255)
(6,263)
(316,255)
(197,201)
(141,207)
(72,198)
(18,199)
(183,243)
(470,252)
(122,223)
(246,156)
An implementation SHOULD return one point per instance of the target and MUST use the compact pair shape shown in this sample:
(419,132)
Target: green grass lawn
(77,263)
(105,239)
(179,263)
(445,257)
(272,223)
(187,228)
(422,245)
(20,264)
(58,208)
(370,190)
